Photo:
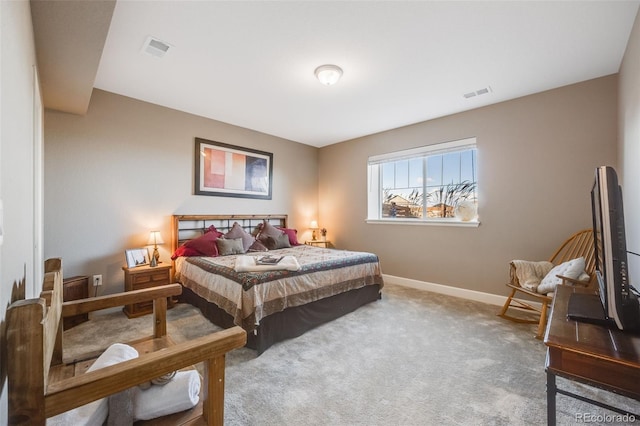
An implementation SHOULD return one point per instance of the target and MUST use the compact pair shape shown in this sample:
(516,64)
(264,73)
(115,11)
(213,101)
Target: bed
(271,303)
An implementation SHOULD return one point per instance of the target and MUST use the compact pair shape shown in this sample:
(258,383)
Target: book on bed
(268,260)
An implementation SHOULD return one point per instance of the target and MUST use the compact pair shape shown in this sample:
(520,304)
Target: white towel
(114,354)
(179,394)
(95,413)
(248,264)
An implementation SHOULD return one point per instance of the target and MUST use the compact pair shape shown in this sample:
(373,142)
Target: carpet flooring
(412,358)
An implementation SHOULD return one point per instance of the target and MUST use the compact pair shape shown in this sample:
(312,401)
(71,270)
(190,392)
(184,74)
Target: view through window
(428,183)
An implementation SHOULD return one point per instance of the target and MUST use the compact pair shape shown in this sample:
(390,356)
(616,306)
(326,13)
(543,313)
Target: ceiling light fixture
(328,74)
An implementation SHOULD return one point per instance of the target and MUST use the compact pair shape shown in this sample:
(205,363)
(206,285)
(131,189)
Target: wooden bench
(40,385)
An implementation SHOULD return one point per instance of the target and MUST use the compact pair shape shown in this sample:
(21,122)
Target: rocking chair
(578,245)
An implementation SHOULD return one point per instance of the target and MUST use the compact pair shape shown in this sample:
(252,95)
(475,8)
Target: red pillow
(212,229)
(201,246)
(185,252)
(292,234)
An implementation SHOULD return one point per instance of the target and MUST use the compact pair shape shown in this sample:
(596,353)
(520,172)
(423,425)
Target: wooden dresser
(602,357)
(145,277)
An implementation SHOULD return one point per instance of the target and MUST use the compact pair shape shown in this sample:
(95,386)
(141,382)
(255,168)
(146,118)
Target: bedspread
(250,296)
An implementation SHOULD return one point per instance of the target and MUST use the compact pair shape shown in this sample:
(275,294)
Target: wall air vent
(154,47)
(478,92)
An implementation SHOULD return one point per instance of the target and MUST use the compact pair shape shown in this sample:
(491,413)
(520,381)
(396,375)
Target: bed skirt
(293,321)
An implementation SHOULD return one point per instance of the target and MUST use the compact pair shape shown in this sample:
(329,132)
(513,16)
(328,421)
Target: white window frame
(374,185)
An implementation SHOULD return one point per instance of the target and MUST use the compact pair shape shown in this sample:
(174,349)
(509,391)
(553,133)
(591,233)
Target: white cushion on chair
(573,268)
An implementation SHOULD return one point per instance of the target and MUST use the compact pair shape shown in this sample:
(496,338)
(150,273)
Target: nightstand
(319,243)
(75,288)
(145,277)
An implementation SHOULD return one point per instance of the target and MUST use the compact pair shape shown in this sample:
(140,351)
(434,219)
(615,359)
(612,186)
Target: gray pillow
(268,230)
(229,246)
(282,241)
(268,242)
(258,246)
(236,231)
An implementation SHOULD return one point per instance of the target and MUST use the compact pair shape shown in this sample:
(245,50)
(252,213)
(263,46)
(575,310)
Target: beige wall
(17,58)
(536,160)
(629,143)
(127,166)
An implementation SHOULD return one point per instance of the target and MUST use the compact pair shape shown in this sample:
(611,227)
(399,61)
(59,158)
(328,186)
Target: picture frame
(225,170)
(137,257)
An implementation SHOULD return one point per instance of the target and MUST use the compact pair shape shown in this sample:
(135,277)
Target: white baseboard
(492,299)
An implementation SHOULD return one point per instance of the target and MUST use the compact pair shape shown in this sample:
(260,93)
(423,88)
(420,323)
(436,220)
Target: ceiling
(251,63)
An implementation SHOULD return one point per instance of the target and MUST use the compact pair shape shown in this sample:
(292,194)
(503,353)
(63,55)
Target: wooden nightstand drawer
(143,277)
(153,278)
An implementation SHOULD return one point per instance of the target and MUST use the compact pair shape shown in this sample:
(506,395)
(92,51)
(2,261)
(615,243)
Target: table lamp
(154,239)
(314,227)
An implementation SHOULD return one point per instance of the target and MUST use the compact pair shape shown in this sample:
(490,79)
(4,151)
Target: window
(426,184)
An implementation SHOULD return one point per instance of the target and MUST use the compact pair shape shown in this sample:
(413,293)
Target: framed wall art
(136,257)
(231,171)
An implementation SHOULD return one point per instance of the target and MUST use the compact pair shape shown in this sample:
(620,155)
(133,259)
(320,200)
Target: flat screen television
(619,303)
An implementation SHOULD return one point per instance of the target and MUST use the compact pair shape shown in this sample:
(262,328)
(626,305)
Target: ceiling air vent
(478,92)
(154,47)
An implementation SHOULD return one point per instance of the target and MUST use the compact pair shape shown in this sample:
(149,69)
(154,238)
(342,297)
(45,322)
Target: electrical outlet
(97,280)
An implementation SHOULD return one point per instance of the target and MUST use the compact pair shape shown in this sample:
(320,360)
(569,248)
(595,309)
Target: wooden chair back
(36,388)
(579,244)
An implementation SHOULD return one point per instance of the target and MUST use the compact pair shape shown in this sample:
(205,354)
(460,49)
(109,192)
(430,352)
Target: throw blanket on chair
(529,274)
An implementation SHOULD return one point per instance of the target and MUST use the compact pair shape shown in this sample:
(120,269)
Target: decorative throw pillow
(204,245)
(236,231)
(258,246)
(293,235)
(184,251)
(255,232)
(212,229)
(228,246)
(282,241)
(268,242)
(268,230)
(573,268)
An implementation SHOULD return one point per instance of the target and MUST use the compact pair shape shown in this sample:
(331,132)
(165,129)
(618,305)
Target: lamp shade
(314,224)
(328,74)
(155,238)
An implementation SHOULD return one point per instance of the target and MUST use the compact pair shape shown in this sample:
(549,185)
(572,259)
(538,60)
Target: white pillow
(571,269)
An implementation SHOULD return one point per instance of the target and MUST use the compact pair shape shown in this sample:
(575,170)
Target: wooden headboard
(188,227)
